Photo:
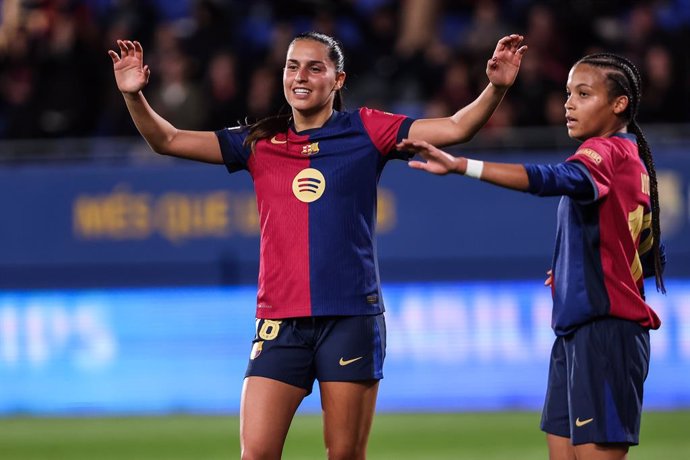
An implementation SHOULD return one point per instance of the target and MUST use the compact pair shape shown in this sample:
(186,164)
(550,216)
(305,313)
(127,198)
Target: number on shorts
(269,329)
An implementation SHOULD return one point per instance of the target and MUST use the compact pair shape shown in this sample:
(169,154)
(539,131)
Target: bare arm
(512,176)
(502,70)
(131,76)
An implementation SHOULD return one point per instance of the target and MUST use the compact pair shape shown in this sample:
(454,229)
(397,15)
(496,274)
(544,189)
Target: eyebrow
(579,85)
(296,61)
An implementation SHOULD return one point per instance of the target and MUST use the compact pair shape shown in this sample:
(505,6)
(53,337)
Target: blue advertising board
(178,222)
(451,346)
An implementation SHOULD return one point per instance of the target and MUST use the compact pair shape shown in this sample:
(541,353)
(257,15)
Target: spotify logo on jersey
(308,185)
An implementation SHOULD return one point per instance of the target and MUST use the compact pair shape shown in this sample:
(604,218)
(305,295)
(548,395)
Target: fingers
(123,48)
(113,55)
(138,51)
(414,164)
(415,145)
(130,48)
(427,167)
(510,42)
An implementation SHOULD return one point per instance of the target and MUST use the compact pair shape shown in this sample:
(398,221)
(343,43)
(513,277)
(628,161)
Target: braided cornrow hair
(623,79)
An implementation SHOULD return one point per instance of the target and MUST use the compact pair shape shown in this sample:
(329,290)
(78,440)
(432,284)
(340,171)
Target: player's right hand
(131,75)
(549,279)
(436,160)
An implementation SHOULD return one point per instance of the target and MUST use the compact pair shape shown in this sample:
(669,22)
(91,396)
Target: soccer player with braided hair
(608,239)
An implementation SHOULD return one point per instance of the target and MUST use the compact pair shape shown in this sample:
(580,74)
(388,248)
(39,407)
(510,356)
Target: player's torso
(597,268)
(316,196)
(335,167)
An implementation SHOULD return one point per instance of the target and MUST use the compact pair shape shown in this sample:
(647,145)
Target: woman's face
(309,78)
(589,110)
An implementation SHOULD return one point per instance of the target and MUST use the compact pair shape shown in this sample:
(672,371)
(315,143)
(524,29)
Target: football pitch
(476,436)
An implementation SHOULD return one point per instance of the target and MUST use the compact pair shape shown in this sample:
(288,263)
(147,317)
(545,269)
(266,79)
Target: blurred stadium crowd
(215,62)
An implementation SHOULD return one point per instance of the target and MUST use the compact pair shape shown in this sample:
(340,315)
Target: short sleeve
(385,130)
(597,157)
(235,154)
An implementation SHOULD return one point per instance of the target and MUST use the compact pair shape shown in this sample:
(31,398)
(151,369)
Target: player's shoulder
(595,148)
(371,112)
(241,131)
(614,147)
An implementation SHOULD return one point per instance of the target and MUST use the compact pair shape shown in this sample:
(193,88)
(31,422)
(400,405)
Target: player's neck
(303,121)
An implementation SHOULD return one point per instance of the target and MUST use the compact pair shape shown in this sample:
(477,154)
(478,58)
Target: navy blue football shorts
(596,375)
(326,348)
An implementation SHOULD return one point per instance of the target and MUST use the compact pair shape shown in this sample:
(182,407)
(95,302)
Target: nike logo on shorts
(579,423)
(345,362)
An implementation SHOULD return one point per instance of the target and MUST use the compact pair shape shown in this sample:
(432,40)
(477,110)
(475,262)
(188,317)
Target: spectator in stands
(400,51)
(225,95)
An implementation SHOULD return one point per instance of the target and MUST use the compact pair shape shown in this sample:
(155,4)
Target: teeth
(301,91)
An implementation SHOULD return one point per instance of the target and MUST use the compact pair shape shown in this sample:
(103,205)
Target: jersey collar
(629,136)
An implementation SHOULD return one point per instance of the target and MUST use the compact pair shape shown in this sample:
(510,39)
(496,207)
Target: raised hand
(131,75)
(437,161)
(503,66)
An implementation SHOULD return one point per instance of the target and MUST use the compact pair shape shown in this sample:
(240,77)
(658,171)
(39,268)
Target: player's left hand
(437,161)
(503,66)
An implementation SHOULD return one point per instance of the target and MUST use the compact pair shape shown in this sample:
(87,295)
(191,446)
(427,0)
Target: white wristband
(474,168)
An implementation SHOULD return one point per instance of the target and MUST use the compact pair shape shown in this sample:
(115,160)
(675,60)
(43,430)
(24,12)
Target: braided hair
(272,125)
(623,79)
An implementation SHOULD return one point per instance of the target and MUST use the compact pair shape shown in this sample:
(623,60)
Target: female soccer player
(607,240)
(315,170)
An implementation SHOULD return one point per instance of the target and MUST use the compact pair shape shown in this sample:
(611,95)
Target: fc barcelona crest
(310,149)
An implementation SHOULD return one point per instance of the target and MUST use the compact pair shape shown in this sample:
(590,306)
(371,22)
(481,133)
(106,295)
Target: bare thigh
(266,412)
(560,448)
(601,452)
(348,412)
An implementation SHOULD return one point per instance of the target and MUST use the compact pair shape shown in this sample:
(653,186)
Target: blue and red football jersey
(597,268)
(316,197)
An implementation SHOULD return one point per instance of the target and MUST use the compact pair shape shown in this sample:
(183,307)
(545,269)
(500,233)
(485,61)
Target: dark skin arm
(512,176)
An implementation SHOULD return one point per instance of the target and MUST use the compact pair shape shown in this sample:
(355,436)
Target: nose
(568,104)
(301,74)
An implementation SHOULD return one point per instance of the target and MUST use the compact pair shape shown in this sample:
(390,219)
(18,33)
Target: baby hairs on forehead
(622,79)
(335,50)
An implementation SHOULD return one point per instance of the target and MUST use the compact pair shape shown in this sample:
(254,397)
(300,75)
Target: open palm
(503,66)
(131,75)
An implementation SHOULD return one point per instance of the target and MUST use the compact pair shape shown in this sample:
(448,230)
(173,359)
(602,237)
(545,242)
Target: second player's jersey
(596,268)
(316,197)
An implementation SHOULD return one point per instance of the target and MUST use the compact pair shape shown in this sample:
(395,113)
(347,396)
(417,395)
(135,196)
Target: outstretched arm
(513,176)
(502,70)
(568,178)
(131,76)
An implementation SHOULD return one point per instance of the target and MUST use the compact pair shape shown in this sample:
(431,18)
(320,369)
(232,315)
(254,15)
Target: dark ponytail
(270,126)
(624,80)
